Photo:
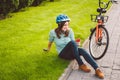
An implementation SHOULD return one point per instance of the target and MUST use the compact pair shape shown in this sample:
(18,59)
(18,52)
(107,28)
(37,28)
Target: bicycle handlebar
(102,10)
(106,4)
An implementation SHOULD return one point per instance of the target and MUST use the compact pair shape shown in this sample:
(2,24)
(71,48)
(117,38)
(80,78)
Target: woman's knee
(73,43)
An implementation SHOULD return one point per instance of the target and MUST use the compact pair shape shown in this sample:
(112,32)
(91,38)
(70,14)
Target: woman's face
(65,26)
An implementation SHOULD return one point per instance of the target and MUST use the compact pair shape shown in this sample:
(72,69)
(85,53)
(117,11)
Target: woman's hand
(46,49)
(49,46)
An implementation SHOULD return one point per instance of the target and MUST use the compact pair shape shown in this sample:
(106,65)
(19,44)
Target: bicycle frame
(99,37)
(100,22)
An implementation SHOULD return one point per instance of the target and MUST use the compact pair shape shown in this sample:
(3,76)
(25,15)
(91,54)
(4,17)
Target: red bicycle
(99,37)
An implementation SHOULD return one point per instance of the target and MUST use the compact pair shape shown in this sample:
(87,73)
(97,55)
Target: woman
(63,37)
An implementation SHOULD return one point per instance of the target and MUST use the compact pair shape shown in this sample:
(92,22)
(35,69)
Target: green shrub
(51,0)
(7,6)
(24,3)
(37,2)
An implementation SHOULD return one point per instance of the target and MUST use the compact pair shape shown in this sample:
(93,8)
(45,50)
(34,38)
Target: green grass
(23,37)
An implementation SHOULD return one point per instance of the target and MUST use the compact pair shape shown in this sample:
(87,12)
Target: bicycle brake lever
(114,1)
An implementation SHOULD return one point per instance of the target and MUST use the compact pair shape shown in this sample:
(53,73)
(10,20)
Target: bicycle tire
(97,47)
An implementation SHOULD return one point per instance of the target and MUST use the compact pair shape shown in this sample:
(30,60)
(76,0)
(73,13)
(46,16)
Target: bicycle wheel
(98,50)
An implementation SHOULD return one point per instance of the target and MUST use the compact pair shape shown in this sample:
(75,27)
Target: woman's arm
(49,46)
(51,39)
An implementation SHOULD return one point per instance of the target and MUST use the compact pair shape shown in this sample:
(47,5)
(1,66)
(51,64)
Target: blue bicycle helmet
(62,17)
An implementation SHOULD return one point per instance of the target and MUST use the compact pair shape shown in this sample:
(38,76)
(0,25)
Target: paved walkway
(110,63)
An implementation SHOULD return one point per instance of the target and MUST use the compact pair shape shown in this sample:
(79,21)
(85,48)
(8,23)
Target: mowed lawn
(25,34)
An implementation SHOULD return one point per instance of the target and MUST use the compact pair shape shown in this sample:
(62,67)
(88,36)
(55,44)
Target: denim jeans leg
(76,53)
(88,58)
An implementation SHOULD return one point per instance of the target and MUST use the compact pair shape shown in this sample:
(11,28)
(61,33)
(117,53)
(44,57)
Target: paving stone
(115,75)
(108,60)
(116,65)
(75,75)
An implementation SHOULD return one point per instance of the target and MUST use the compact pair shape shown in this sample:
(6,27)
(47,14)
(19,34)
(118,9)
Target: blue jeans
(71,51)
